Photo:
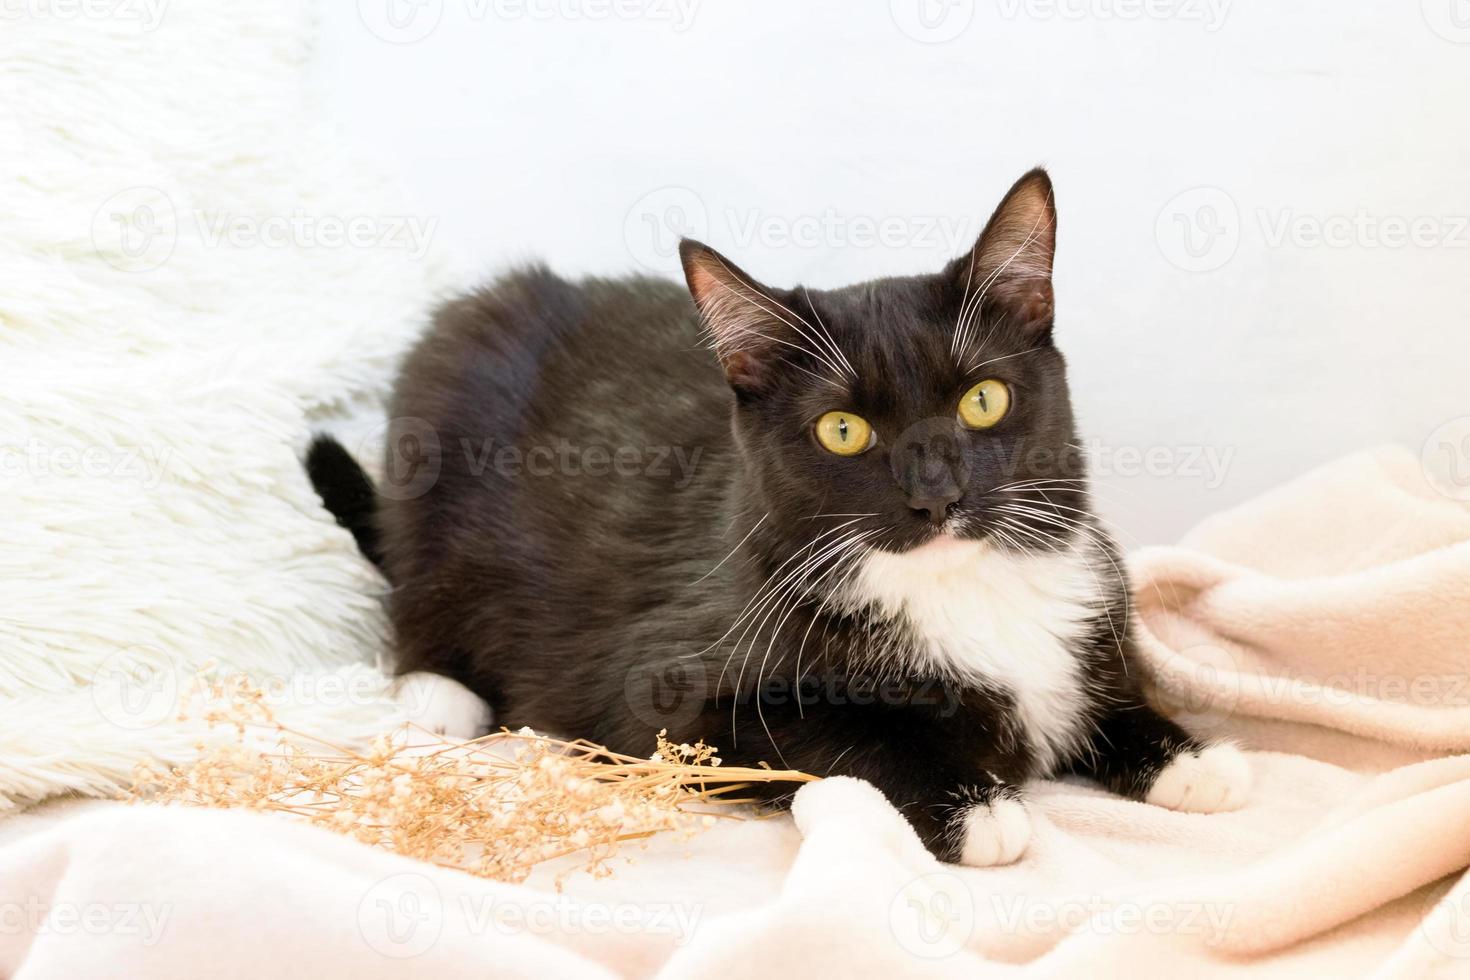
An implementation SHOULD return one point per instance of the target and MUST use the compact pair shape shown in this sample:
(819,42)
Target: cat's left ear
(1012,261)
(742,316)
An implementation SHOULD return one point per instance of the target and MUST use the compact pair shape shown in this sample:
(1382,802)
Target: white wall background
(793,133)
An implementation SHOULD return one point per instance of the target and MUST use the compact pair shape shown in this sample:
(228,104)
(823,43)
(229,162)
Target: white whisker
(1004,357)
(750,298)
(721,564)
(831,342)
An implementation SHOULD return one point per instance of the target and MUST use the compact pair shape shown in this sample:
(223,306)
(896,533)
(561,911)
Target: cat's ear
(741,315)
(1011,263)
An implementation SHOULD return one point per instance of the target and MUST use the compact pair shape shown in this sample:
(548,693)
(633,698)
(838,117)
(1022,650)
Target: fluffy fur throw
(194,274)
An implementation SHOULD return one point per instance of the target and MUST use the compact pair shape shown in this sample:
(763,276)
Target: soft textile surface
(179,300)
(1341,864)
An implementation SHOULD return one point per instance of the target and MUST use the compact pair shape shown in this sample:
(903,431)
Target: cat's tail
(347,492)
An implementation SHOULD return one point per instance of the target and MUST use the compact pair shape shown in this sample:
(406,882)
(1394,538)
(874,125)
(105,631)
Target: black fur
(347,492)
(582,501)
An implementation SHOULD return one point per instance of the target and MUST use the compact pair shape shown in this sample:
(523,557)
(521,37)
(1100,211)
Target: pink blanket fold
(1330,617)
(1323,626)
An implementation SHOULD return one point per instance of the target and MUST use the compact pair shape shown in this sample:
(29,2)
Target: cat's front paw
(1212,780)
(995,833)
(442,705)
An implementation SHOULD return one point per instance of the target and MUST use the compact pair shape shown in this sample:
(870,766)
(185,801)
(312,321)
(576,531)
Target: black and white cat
(855,539)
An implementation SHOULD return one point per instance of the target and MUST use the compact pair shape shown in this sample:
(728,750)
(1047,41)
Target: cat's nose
(938,508)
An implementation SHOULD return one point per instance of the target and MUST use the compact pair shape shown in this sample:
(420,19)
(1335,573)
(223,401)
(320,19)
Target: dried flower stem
(496,806)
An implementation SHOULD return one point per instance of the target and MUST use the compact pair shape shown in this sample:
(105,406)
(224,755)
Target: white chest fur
(983,616)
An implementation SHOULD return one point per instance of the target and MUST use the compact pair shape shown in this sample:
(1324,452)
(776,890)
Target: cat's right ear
(742,316)
(1010,266)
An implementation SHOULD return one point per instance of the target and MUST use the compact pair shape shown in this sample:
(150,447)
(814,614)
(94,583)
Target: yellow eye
(844,433)
(985,404)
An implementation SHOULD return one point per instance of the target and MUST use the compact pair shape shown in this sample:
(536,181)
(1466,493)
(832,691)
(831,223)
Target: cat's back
(534,348)
(552,404)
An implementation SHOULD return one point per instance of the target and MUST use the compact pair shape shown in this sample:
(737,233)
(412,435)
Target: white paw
(839,802)
(1211,781)
(838,797)
(443,706)
(995,833)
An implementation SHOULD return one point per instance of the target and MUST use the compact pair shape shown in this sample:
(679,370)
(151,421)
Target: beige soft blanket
(1323,625)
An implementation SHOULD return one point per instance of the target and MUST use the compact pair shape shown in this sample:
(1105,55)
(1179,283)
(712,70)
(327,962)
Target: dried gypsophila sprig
(497,806)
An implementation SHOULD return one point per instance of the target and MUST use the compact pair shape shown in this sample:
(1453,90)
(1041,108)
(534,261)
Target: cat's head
(912,410)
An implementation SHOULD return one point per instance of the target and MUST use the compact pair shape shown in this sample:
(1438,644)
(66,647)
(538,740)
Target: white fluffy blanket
(1333,868)
(193,271)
